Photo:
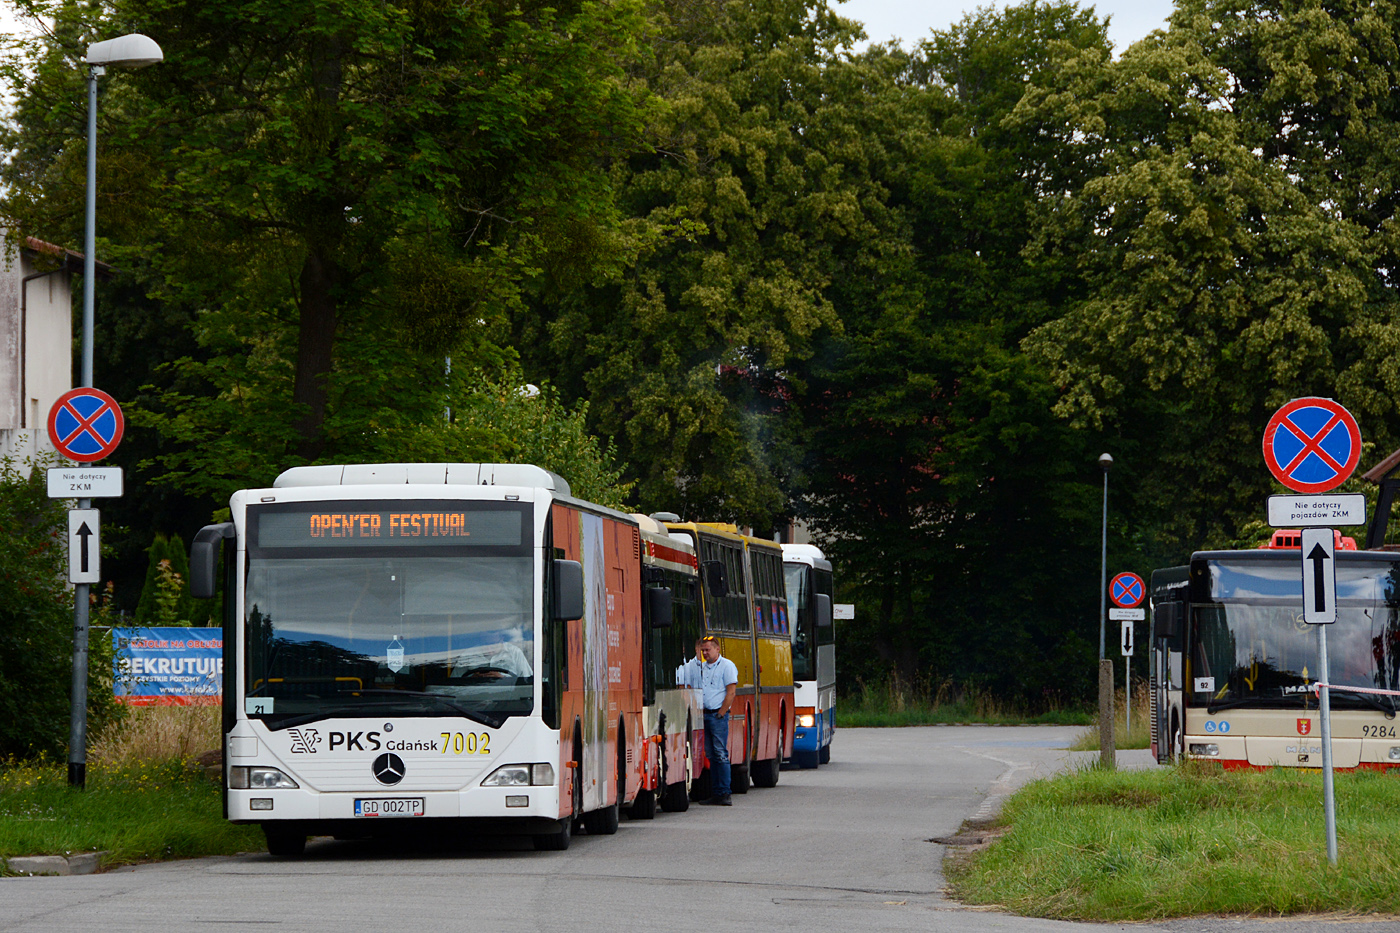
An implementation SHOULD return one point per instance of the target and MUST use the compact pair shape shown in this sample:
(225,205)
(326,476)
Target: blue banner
(170,665)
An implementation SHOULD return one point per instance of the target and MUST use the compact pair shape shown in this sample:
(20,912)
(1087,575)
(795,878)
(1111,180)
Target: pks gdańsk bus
(1234,666)
(809,600)
(744,604)
(435,642)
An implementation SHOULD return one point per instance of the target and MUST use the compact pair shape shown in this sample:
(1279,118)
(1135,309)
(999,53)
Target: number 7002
(470,743)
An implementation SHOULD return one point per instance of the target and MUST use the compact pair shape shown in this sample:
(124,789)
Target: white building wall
(36,348)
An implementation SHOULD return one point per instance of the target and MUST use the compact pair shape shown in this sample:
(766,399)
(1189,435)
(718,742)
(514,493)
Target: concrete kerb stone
(84,863)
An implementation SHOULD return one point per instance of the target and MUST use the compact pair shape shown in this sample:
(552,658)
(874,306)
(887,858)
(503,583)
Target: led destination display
(380,528)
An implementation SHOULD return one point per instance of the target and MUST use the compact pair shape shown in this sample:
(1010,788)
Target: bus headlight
(806,720)
(242,777)
(1197,748)
(540,774)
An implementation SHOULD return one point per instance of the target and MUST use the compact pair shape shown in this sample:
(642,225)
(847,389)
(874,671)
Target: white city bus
(1235,667)
(807,573)
(449,642)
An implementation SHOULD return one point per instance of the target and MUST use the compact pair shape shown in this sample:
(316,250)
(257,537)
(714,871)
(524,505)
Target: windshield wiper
(1219,705)
(485,719)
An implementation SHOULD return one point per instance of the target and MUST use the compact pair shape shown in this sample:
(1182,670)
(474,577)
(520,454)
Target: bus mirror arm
(659,606)
(204,558)
(823,610)
(568,590)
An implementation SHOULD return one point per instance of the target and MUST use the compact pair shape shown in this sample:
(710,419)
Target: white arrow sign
(1127,640)
(84,543)
(1319,576)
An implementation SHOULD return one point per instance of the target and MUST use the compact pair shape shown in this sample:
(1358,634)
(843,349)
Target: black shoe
(720,801)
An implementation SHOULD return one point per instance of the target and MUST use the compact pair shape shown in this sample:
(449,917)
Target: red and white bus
(1234,666)
(442,642)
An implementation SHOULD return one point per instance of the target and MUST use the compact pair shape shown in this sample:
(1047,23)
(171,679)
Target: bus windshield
(397,626)
(798,580)
(1251,647)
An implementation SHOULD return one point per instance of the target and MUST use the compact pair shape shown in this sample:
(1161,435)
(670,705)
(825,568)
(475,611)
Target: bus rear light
(538,775)
(242,777)
(1394,753)
(1211,750)
(806,720)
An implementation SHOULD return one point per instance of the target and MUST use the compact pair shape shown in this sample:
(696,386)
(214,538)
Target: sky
(911,20)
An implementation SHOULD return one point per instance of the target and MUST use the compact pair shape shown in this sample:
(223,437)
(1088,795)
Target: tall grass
(158,733)
(1140,733)
(1191,840)
(893,702)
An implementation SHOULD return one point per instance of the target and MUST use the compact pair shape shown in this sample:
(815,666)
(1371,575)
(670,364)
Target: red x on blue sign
(1126,590)
(1312,445)
(85,424)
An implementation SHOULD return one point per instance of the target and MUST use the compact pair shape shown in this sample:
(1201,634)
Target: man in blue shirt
(718,681)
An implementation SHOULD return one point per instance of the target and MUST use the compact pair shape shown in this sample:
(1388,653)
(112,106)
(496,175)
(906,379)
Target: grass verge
(146,797)
(136,813)
(1186,841)
(893,704)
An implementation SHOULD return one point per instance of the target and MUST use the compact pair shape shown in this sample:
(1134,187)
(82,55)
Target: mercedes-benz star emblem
(388,769)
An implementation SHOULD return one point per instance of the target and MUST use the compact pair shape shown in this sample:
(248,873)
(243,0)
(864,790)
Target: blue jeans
(717,750)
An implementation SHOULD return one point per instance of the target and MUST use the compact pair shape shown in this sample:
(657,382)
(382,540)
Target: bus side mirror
(1165,621)
(204,559)
(568,590)
(715,579)
(823,610)
(659,606)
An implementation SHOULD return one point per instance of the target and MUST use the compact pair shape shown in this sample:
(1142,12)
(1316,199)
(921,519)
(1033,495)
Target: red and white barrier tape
(1388,693)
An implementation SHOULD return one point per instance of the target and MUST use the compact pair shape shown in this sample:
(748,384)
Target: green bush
(36,622)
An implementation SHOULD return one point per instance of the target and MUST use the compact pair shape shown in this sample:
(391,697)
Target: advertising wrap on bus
(168,665)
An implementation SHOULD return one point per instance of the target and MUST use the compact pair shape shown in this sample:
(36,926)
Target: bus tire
(739,779)
(644,806)
(824,756)
(700,789)
(558,840)
(284,841)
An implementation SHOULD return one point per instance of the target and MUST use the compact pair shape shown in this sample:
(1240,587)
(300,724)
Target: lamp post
(1106,743)
(130,51)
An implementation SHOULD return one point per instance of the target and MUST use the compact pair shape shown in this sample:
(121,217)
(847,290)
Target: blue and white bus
(807,573)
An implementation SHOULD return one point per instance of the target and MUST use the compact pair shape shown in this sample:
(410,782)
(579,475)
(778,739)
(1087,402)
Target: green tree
(759,189)
(1229,201)
(951,496)
(342,191)
(36,622)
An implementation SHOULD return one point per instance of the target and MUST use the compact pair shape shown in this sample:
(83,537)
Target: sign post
(85,425)
(1127,591)
(1312,445)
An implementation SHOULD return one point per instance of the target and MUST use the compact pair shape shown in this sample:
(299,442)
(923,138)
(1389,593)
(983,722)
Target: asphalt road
(845,847)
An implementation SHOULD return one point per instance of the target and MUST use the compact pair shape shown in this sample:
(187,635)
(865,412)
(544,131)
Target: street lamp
(130,51)
(1105,461)
(1106,742)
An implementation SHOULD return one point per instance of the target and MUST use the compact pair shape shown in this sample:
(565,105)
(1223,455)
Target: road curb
(84,863)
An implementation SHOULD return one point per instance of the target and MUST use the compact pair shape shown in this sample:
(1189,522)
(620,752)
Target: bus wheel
(558,840)
(739,774)
(284,841)
(824,756)
(644,806)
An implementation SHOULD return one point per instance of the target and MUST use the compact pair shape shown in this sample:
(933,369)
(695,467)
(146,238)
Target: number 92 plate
(388,806)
